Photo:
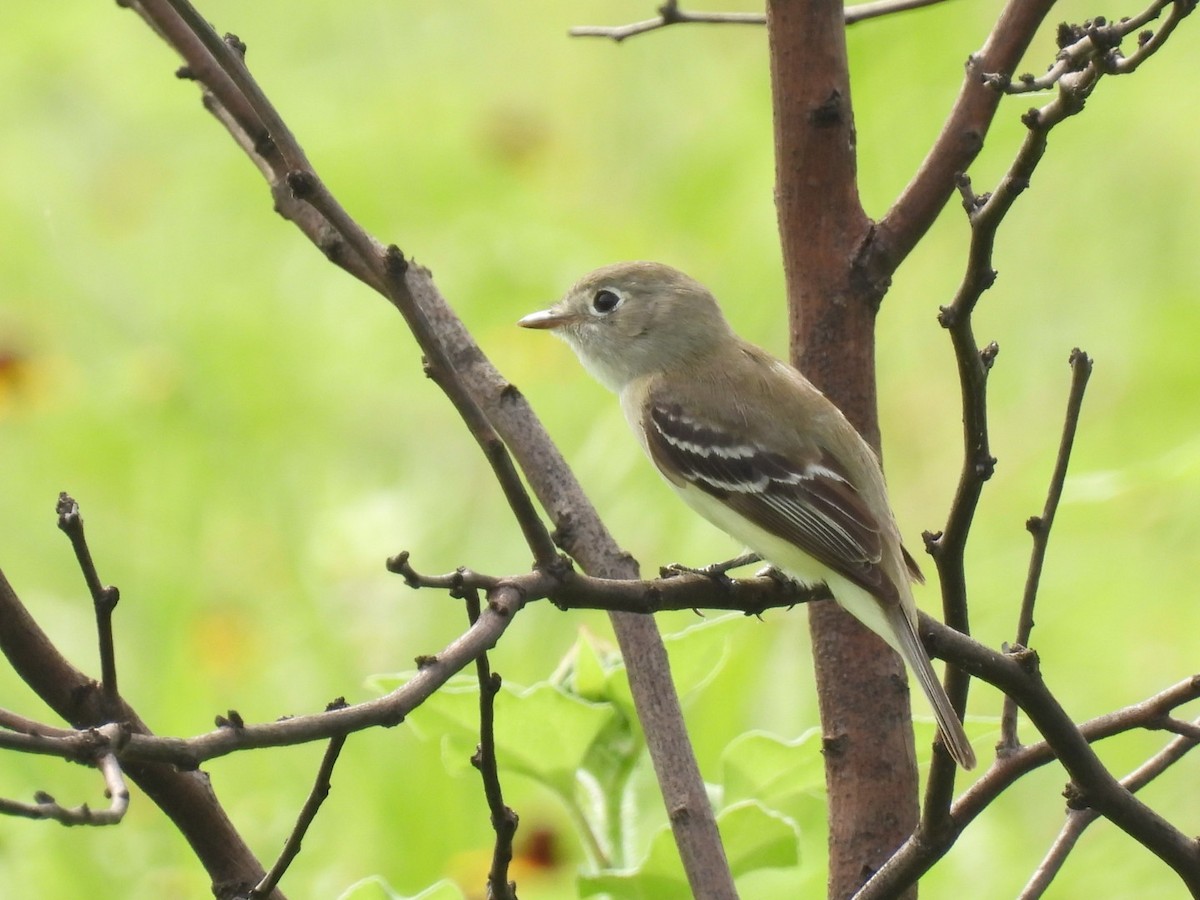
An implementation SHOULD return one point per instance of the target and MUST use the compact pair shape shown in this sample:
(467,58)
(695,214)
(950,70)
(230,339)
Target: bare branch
(25,726)
(861,12)
(985,213)
(475,382)
(1079,819)
(568,589)
(272,142)
(1096,44)
(104,598)
(1092,784)
(670,14)
(82,746)
(1039,527)
(959,142)
(503,604)
(316,797)
(504,819)
(185,796)
(46,807)
(921,851)
(1187,729)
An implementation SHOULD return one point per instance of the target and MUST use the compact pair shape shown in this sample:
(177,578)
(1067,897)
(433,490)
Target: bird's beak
(547,319)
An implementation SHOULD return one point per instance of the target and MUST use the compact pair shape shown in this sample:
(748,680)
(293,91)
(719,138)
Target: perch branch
(578,529)
(568,589)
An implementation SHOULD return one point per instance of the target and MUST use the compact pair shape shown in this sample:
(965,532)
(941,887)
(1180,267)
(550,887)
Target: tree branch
(185,796)
(1079,819)
(470,380)
(308,812)
(104,598)
(504,819)
(921,851)
(959,142)
(1096,44)
(1039,527)
(103,757)
(1092,784)
(670,14)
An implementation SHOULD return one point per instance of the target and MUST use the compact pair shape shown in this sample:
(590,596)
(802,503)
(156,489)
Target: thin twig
(504,819)
(182,793)
(106,761)
(1079,819)
(620,33)
(985,214)
(1040,526)
(1096,43)
(81,746)
(25,726)
(568,589)
(104,598)
(1186,729)
(391,709)
(1017,674)
(312,805)
(670,14)
(861,12)
(959,141)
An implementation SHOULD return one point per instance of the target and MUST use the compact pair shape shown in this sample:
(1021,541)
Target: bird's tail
(953,735)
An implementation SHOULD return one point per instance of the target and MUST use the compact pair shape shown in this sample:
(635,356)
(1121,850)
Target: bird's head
(633,319)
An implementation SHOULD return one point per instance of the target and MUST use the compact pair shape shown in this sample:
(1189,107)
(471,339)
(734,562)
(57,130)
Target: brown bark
(870,766)
(185,796)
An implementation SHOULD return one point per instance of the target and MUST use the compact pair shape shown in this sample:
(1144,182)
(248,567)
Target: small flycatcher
(749,444)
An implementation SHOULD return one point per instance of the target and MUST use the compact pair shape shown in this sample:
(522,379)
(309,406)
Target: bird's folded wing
(807,499)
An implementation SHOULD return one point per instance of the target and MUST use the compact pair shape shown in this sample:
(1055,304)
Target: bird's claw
(716,571)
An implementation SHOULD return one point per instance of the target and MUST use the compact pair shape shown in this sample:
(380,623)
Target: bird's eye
(605,301)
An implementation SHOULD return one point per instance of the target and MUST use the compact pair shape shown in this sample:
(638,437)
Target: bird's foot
(715,571)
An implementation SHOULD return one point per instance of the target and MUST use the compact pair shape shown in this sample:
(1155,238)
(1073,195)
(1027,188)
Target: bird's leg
(715,571)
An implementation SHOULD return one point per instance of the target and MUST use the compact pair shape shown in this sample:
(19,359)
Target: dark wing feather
(808,502)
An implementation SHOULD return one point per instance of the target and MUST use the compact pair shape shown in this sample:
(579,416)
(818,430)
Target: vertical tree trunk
(869,762)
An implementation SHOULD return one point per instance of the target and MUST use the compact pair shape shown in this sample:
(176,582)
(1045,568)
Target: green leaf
(375,886)
(754,838)
(698,654)
(542,731)
(783,775)
(591,664)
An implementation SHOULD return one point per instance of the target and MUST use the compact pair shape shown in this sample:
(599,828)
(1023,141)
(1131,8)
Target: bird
(752,446)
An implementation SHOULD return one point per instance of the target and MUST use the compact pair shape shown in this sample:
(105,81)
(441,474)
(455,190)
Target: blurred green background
(250,435)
